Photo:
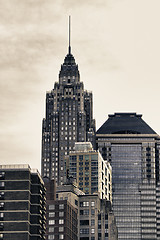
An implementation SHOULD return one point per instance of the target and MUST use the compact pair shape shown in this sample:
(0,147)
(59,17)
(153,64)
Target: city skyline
(117,50)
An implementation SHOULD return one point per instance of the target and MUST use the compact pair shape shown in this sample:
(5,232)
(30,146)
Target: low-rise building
(22,203)
(95,216)
(61,214)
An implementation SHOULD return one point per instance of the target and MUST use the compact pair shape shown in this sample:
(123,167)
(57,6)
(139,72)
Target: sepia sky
(116,44)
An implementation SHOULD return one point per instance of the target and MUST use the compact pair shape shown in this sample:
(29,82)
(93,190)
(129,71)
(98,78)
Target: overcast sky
(116,44)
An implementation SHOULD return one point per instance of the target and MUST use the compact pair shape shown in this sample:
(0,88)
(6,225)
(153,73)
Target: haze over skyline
(115,43)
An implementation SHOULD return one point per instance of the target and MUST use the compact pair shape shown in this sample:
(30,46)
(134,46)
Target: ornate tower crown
(69,72)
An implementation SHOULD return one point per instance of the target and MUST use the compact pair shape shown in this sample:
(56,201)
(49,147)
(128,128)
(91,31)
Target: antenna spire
(69,49)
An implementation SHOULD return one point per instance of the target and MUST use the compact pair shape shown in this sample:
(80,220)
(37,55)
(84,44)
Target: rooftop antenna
(69,35)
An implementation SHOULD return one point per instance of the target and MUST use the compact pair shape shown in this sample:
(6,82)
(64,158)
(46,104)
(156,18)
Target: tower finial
(69,49)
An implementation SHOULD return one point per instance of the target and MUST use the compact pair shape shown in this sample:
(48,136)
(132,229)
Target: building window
(52,214)
(84,231)
(84,222)
(92,211)
(86,168)
(1,226)
(51,222)
(1,215)
(2,175)
(61,236)
(80,157)
(92,222)
(50,237)
(2,195)
(61,221)
(1,205)
(61,229)
(61,206)
(51,229)
(92,204)
(86,212)
(51,207)
(92,230)
(61,214)
(1,184)
(85,204)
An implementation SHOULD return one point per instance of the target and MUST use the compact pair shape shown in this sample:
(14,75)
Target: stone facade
(91,172)
(69,119)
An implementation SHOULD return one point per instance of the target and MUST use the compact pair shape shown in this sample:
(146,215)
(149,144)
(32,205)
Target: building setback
(133,149)
(22,203)
(69,119)
(91,172)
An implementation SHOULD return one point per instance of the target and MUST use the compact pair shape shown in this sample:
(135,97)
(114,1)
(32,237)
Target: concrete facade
(91,172)
(95,217)
(22,203)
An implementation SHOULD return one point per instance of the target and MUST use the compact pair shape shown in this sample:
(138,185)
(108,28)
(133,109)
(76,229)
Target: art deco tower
(68,118)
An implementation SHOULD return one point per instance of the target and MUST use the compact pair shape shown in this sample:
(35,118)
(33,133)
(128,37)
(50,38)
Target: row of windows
(86,222)
(66,138)
(86,204)
(52,222)
(86,212)
(50,237)
(84,157)
(52,214)
(52,207)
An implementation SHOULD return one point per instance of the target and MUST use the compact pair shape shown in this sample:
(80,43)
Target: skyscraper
(133,149)
(69,118)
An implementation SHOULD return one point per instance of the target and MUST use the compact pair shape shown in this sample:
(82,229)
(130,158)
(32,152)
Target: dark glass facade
(126,177)
(132,148)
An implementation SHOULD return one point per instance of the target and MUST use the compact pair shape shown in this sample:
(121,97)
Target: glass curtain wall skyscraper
(132,148)
(69,118)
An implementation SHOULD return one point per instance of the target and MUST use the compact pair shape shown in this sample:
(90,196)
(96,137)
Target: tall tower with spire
(69,118)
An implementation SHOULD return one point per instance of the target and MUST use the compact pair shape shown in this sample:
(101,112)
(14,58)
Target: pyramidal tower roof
(125,123)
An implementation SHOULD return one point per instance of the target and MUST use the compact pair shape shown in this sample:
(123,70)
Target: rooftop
(125,123)
(15,166)
(83,146)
